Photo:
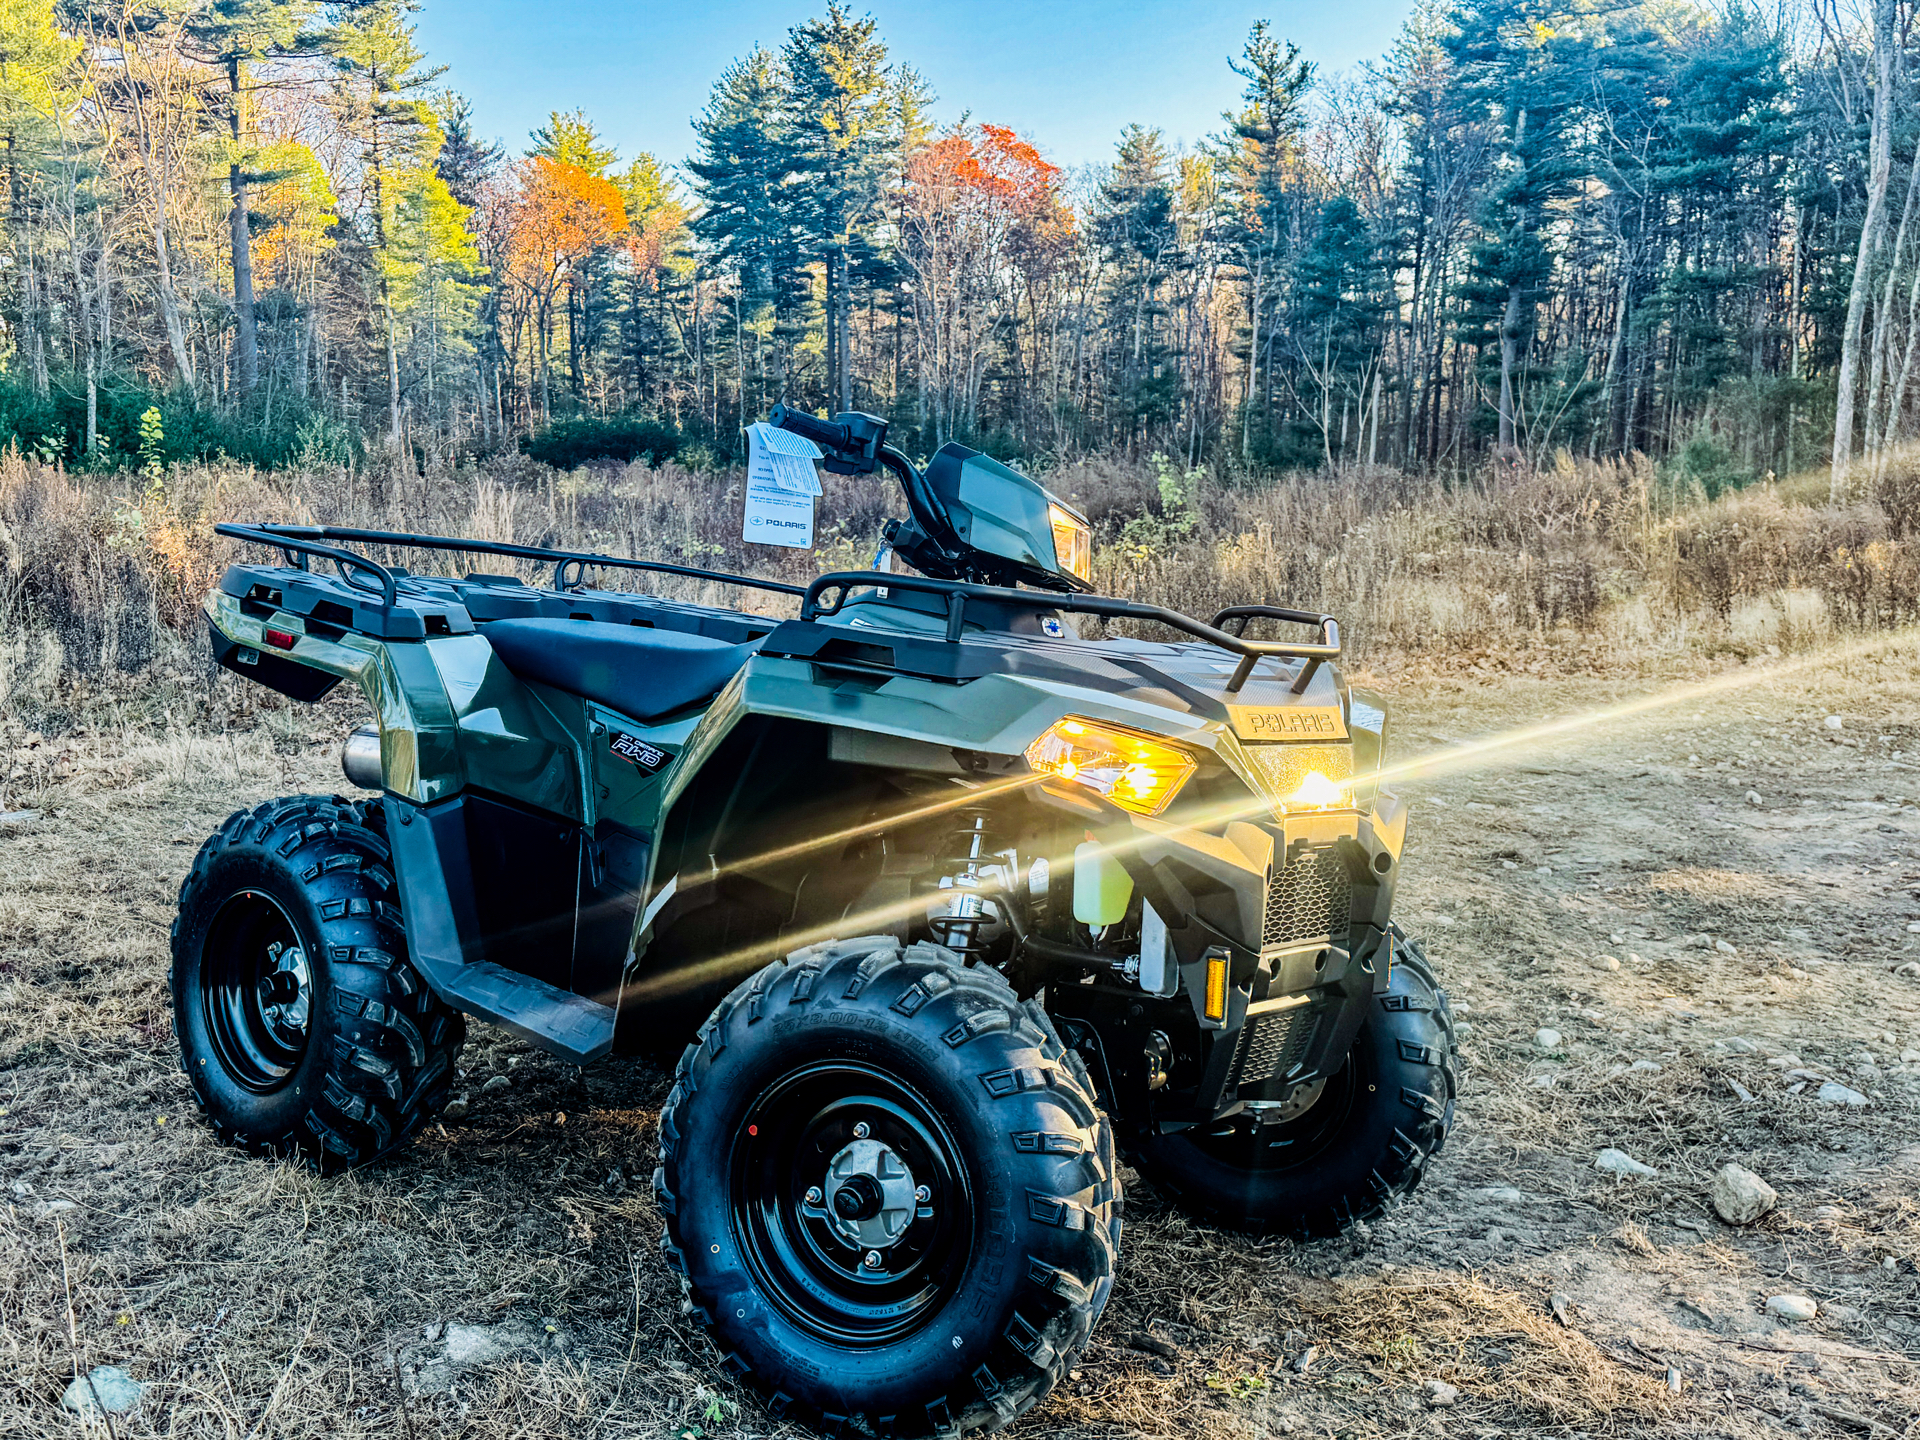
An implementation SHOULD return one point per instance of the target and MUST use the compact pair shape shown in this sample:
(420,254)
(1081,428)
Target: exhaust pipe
(360,757)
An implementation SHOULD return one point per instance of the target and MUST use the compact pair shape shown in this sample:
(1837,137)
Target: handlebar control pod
(852,439)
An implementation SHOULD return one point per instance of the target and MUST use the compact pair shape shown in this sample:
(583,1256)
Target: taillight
(284,639)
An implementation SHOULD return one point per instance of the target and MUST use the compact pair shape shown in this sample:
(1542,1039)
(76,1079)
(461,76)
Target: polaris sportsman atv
(957,907)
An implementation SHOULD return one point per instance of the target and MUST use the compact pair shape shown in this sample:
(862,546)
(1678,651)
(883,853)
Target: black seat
(639,672)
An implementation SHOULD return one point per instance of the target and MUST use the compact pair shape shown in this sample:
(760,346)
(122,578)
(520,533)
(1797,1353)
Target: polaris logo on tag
(1288,723)
(633,748)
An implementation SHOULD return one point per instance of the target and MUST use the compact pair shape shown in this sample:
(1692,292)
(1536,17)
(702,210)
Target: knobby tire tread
(392,1059)
(932,990)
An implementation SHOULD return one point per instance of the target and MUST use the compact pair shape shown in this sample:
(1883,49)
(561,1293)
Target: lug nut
(923,1194)
(814,1197)
(860,1130)
(871,1260)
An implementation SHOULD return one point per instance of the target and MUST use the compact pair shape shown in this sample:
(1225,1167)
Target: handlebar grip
(825,433)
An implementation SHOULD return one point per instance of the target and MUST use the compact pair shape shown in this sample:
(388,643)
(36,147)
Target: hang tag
(781,488)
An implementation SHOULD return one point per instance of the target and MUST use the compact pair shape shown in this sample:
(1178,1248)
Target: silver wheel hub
(286,991)
(1298,1102)
(868,1195)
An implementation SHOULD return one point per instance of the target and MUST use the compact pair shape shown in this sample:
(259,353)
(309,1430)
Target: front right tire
(1367,1139)
(888,1191)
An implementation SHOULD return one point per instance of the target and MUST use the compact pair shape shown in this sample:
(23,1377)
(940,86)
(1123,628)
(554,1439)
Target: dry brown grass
(259,1299)
(1577,569)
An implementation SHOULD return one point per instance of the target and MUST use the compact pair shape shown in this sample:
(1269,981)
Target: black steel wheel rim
(1241,1141)
(256,992)
(784,1147)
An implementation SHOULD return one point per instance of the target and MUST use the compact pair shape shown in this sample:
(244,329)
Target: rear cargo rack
(841,584)
(570,566)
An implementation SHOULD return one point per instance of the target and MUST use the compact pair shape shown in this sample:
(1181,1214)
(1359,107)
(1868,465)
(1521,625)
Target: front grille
(1307,899)
(1271,1046)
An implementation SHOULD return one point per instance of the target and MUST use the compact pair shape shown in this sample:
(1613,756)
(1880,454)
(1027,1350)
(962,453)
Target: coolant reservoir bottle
(1101,886)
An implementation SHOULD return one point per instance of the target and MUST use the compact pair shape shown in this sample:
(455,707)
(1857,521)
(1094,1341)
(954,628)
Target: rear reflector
(282,638)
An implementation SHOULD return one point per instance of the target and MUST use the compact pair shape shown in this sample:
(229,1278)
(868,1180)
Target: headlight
(1318,793)
(1073,542)
(1304,777)
(1135,772)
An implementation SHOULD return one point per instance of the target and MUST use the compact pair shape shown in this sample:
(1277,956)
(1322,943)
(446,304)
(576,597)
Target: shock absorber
(973,872)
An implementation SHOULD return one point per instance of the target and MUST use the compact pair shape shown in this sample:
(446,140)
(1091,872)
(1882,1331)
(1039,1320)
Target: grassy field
(1747,862)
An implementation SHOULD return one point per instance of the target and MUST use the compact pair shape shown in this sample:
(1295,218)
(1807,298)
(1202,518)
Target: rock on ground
(433,1366)
(1833,1093)
(1740,1197)
(1793,1308)
(1622,1164)
(1439,1393)
(105,1388)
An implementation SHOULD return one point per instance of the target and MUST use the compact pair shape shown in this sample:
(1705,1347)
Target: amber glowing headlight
(1317,793)
(1135,772)
(1305,777)
(1073,542)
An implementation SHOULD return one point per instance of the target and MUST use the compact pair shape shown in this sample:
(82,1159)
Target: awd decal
(632,748)
(1288,723)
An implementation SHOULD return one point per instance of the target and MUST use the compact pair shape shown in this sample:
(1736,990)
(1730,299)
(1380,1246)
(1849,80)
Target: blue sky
(1069,73)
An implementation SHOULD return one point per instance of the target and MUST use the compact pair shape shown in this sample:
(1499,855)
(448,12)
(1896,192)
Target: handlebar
(829,436)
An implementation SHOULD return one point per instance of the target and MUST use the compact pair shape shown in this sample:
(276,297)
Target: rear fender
(449,712)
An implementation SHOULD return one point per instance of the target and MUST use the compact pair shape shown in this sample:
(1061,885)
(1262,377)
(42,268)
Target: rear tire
(302,1026)
(1367,1139)
(897,1068)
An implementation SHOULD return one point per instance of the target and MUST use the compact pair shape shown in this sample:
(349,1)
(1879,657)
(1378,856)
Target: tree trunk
(1880,142)
(830,280)
(1510,344)
(246,333)
(1881,346)
(1374,425)
(170,308)
(1253,362)
(1617,418)
(846,337)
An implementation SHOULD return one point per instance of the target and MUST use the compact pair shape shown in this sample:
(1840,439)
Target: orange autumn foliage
(994,163)
(559,215)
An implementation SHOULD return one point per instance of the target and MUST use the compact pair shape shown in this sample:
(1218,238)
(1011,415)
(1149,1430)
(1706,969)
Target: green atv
(957,907)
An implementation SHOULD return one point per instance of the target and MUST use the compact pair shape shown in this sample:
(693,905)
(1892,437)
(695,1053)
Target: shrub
(581,440)
(139,427)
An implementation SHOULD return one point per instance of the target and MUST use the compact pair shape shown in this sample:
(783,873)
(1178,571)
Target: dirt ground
(1746,856)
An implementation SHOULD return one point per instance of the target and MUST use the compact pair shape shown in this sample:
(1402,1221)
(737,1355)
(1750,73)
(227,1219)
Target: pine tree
(750,215)
(466,162)
(1340,302)
(235,36)
(1139,237)
(837,101)
(381,94)
(431,268)
(37,95)
(570,139)
(1257,157)
(1517,58)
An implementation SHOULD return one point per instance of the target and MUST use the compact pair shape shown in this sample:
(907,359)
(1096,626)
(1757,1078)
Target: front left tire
(888,1190)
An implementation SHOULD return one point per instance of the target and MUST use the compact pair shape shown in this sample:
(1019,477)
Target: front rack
(298,542)
(843,583)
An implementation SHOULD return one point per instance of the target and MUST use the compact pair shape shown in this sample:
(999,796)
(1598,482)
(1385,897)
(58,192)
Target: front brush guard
(1213,891)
